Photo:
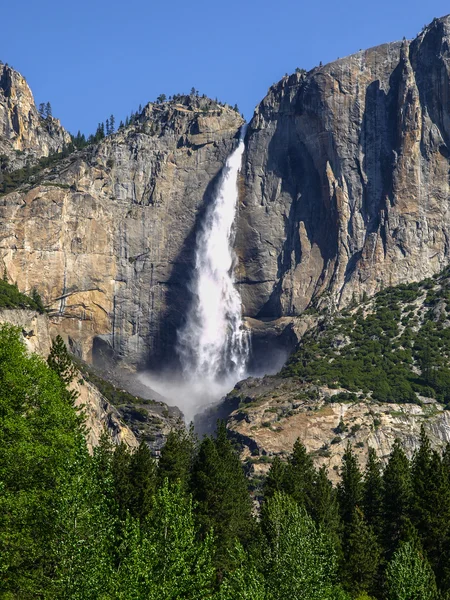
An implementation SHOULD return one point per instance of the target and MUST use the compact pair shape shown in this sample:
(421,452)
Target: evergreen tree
(409,576)
(112,123)
(300,476)
(42,110)
(36,297)
(373,493)
(325,508)
(48,110)
(108,129)
(396,500)
(430,507)
(143,481)
(350,488)
(220,490)
(361,556)
(177,456)
(59,360)
(276,478)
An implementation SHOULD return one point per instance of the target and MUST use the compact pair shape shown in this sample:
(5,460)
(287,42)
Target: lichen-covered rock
(25,136)
(345,184)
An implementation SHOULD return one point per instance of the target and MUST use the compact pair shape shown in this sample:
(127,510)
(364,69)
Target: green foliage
(177,456)
(10,297)
(114,524)
(165,560)
(11,180)
(40,439)
(300,561)
(409,576)
(220,489)
(397,496)
(377,350)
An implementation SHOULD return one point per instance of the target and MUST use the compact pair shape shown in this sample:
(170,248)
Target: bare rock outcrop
(273,413)
(108,236)
(345,184)
(25,135)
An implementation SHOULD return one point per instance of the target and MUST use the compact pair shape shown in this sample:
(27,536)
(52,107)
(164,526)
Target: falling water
(213,345)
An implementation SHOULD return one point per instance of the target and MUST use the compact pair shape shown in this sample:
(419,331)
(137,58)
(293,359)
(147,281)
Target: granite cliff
(25,136)
(345,183)
(344,190)
(107,235)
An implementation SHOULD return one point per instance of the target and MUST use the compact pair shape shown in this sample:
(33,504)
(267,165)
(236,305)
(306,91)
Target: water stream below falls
(213,346)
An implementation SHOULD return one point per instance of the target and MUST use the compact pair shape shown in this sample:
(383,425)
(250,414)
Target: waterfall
(213,345)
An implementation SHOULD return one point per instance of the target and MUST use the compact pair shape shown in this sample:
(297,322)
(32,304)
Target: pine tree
(397,494)
(220,490)
(112,123)
(276,478)
(60,362)
(373,493)
(325,508)
(350,488)
(36,297)
(108,129)
(300,476)
(143,481)
(48,110)
(177,456)
(361,556)
(42,110)
(430,507)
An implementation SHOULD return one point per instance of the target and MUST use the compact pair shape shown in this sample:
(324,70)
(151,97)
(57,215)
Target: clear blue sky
(91,58)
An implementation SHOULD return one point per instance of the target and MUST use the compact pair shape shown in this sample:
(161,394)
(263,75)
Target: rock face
(345,185)
(272,413)
(108,237)
(24,135)
(99,412)
(344,190)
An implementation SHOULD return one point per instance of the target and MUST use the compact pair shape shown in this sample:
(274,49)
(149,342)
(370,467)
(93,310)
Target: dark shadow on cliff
(298,145)
(178,297)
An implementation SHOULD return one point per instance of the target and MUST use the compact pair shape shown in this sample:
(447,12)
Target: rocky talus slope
(24,135)
(108,235)
(345,184)
(365,376)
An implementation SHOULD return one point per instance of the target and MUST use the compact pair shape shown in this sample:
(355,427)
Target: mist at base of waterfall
(191,397)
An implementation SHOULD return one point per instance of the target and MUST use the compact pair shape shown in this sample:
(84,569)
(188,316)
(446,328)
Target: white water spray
(213,345)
